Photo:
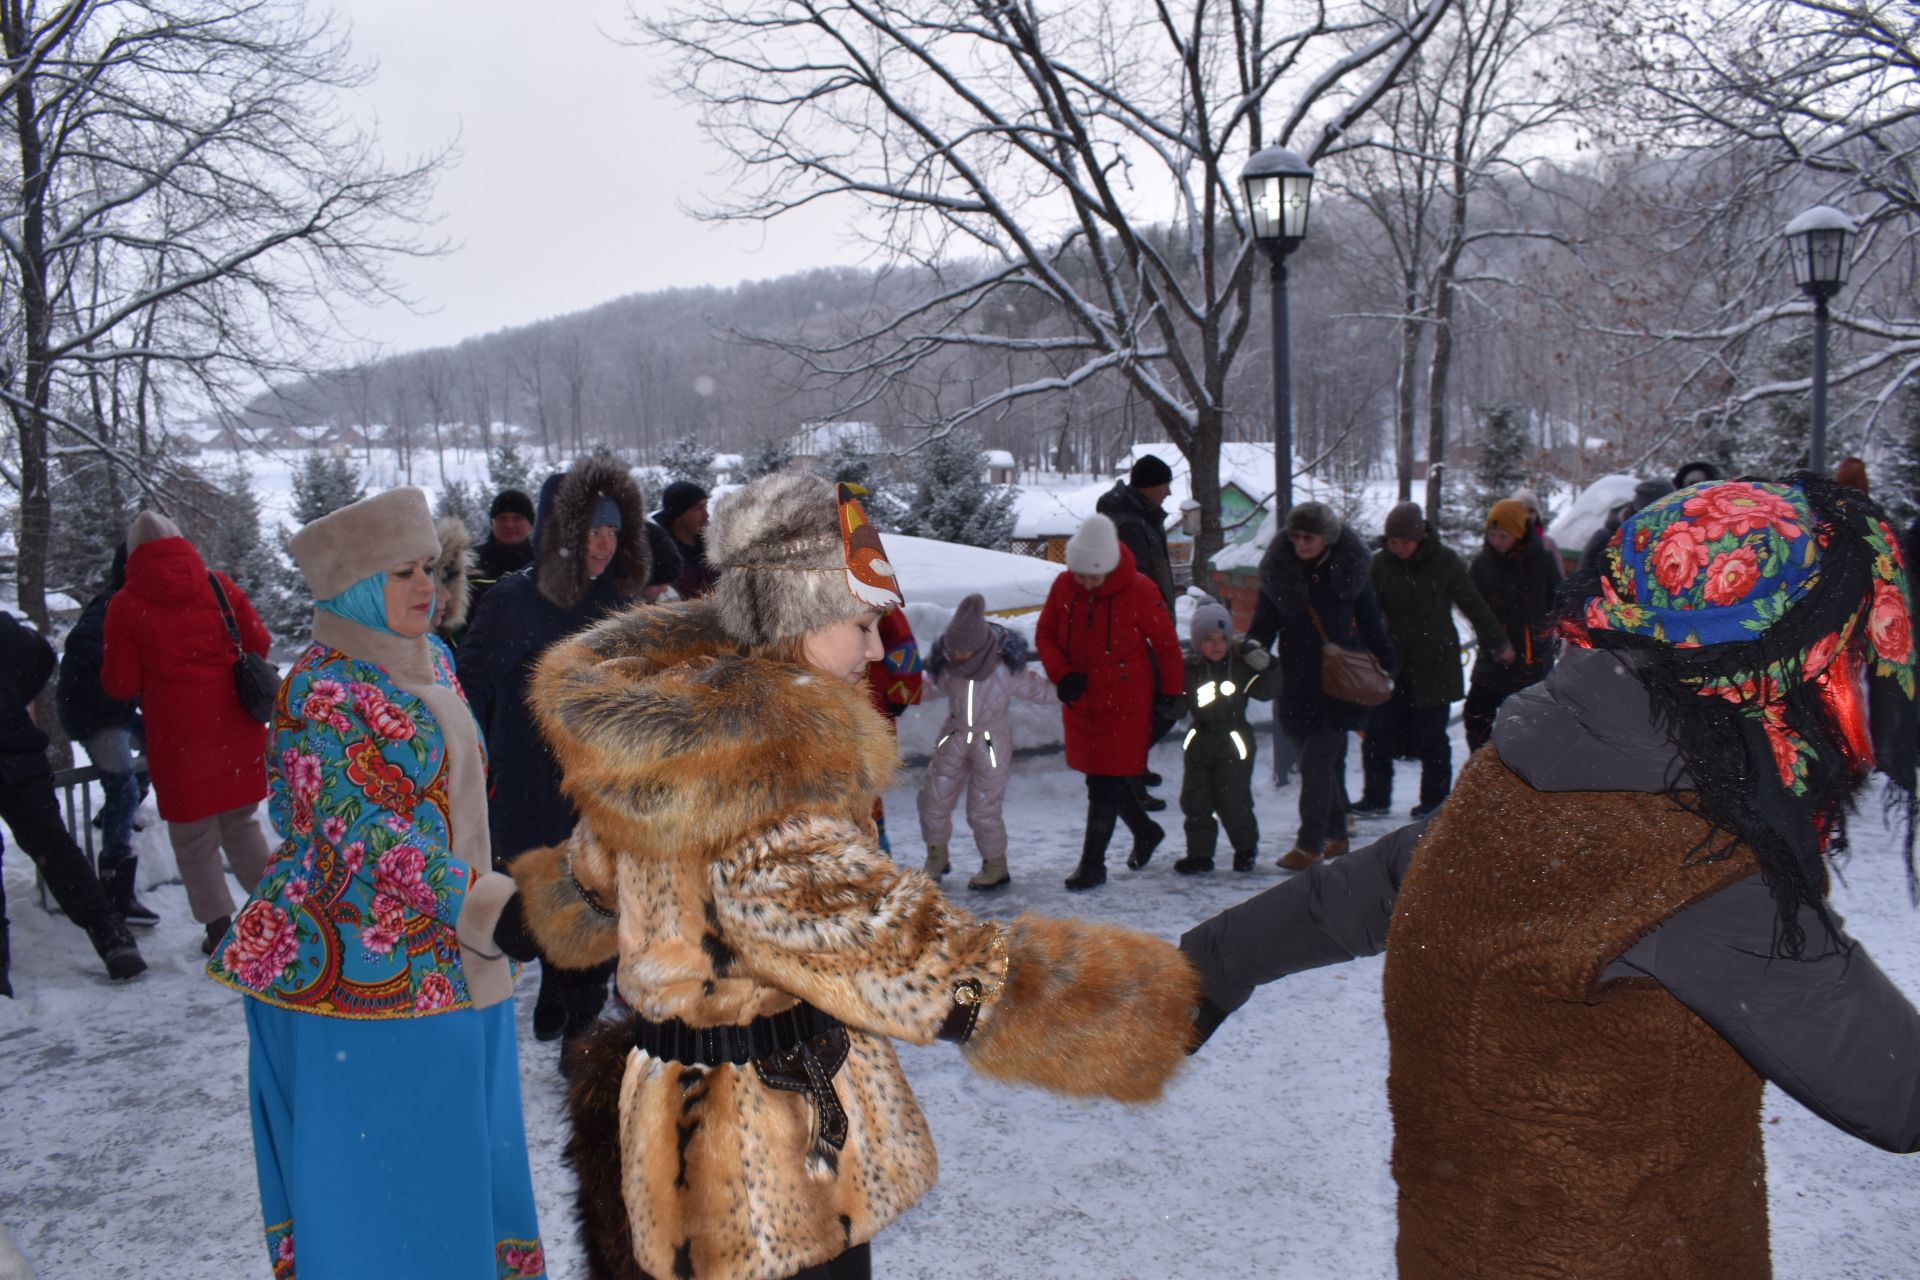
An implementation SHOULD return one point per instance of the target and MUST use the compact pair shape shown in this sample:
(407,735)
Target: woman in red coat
(1106,640)
(167,645)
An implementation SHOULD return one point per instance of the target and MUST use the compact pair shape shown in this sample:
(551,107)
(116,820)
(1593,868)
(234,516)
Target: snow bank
(1586,514)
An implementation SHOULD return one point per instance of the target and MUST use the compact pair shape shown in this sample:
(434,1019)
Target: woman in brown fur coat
(750,1120)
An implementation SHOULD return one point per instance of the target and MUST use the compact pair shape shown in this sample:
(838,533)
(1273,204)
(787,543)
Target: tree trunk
(36,500)
(1437,371)
(1406,399)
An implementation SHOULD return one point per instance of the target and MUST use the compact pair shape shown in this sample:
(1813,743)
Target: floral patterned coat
(356,914)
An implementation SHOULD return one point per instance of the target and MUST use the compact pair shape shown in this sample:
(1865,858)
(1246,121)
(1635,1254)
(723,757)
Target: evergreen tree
(847,463)
(769,457)
(91,514)
(459,499)
(1776,435)
(952,500)
(1505,448)
(234,543)
(322,484)
(508,468)
(688,459)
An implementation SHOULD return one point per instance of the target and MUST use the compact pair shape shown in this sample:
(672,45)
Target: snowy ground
(124,1148)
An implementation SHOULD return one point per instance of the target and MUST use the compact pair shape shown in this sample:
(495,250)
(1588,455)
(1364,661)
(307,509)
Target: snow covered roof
(943,573)
(1000,458)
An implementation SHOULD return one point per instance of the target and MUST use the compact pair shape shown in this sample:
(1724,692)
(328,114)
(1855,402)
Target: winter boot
(1333,848)
(116,947)
(216,930)
(549,1010)
(1367,805)
(1298,858)
(992,875)
(937,865)
(119,880)
(1194,865)
(1243,859)
(1145,840)
(1092,871)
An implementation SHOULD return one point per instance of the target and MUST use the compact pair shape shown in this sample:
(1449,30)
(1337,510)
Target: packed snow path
(125,1149)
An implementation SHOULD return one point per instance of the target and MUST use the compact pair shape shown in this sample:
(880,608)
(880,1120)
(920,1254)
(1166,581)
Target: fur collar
(672,743)
(453,568)
(1342,568)
(560,565)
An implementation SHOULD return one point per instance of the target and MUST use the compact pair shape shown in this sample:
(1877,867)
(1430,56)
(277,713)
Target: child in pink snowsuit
(979,668)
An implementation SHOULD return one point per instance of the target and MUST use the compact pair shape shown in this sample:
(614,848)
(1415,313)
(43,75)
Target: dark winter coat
(493,561)
(1117,636)
(1830,1028)
(85,709)
(1216,699)
(1417,598)
(696,576)
(517,619)
(1142,527)
(167,645)
(1520,586)
(26,663)
(1336,587)
(665,551)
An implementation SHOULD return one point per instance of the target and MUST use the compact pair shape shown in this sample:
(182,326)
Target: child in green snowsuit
(1219,745)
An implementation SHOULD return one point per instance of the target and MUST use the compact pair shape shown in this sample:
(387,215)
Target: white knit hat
(1095,548)
(150,526)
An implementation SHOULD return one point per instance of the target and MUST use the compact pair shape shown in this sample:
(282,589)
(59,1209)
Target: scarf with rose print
(1748,609)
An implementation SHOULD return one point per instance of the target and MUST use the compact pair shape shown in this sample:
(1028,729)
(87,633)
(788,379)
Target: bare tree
(180,168)
(1086,156)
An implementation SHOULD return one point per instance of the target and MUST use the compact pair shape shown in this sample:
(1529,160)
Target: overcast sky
(572,167)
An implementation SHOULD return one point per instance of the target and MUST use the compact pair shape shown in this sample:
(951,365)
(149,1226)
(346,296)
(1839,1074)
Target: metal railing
(76,803)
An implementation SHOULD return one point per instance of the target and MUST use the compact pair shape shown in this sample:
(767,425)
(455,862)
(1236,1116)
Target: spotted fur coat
(726,856)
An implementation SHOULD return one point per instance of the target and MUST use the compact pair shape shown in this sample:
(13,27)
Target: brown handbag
(1350,675)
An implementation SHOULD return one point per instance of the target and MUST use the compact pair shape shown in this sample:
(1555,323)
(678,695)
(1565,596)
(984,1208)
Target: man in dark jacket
(1134,506)
(1618,890)
(105,726)
(1420,582)
(508,547)
(590,559)
(683,514)
(1314,591)
(28,807)
(1516,576)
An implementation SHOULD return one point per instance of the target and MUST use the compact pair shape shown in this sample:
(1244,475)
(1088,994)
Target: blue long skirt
(391,1147)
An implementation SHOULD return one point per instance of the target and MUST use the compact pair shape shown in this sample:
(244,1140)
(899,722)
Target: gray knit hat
(1094,547)
(1315,517)
(149,526)
(1209,619)
(1407,521)
(968,631)
(364,538)
(795,555)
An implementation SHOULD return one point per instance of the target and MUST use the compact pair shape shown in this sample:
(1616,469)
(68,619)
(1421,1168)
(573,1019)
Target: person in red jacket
(1103,635)
(167,645)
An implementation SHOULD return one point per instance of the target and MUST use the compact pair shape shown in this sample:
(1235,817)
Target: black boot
(216,934)
(118,881)
(1194,865)
(549,1007)
(1145,840)
(1092,871)
(1243,859)
(116,947)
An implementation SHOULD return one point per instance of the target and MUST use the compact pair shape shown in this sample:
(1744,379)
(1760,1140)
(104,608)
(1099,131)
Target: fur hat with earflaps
(364,538)
(453,567)
(795,553)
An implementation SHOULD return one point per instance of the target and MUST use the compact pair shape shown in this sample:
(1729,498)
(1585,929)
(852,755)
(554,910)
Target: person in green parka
(1419,583)
(1219,744)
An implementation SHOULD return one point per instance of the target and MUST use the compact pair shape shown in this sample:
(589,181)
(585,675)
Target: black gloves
(510,933)
(1206,1020)
(1169,707)
(1071,686)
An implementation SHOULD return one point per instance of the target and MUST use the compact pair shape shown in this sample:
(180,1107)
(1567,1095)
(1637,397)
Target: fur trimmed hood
(1283,575)
(669,739)
(453,568)
(560,532)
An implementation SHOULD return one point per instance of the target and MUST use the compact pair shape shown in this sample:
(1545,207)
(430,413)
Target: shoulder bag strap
(226,612)
(1317,625)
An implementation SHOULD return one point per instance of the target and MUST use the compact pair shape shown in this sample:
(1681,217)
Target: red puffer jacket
(167,645)
(1117,636)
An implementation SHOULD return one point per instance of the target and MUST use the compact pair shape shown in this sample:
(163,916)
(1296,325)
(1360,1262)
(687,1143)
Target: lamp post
(1820,245)
(1278,184)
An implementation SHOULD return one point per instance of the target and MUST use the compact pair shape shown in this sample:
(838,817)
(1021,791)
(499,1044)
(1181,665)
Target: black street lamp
(1278,185)
(1820,245)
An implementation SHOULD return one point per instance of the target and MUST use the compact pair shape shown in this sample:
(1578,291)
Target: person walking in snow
(1314,590)
(383,1070)
(1108,644)
(979,667)
(1617,930)
(1218,751)
(168,644)
(32,814)
(1517,578)
(749,1120)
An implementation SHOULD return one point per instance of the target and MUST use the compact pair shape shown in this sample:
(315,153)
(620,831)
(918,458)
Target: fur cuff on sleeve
(489,976)
(570,932)
(1088,1009)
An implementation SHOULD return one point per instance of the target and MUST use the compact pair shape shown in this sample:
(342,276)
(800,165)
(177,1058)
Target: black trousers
(33,815)
(1110,800)
(1217,780)
(1323,787)
(1396,727)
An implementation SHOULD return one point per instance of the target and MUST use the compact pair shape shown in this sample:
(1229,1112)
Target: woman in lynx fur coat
(750,1120)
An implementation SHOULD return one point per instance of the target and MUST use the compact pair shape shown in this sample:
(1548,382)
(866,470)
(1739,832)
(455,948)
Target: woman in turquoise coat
(383,1074)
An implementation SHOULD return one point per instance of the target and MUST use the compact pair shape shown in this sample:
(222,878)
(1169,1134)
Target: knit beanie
(677,499)
(1148,471)
(149,526)
(367,537)
(606,513)
(1730,602)
(1697,472)
(795,553)
(1317,518)
(1528,499)
(1095,548)
(511,502)
(969,631)
(1510,517)
(1407,521)
(1209,619)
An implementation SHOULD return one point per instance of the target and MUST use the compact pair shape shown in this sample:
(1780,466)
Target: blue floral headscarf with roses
(1745,607)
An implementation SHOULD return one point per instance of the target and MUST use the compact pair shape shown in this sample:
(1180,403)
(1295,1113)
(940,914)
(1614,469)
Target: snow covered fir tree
(951,499)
